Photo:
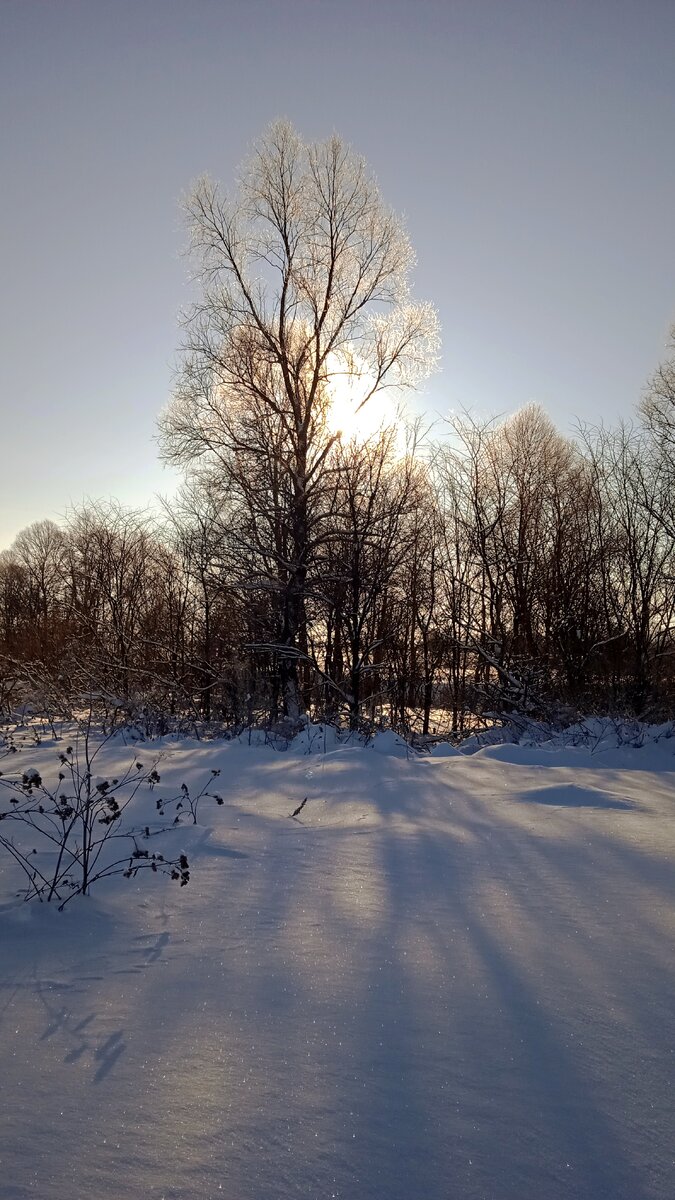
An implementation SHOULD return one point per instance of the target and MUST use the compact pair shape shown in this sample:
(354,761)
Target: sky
(529,146)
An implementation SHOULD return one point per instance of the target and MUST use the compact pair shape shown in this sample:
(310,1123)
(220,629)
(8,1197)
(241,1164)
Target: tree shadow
(471,1001)
(108,1054)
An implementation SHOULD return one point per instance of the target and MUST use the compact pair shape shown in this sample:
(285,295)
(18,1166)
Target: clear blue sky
(530,146)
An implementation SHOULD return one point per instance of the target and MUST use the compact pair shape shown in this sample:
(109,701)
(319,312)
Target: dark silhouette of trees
(510,570)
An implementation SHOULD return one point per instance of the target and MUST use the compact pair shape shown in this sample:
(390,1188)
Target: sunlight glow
(350,414)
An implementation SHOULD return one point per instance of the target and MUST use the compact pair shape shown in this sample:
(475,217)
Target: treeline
(505,569)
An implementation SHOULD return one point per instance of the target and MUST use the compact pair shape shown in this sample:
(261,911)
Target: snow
(449,976)
(31,776)
(444,750)
(388,742)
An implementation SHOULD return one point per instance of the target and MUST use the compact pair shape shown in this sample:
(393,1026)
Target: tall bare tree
(304,279)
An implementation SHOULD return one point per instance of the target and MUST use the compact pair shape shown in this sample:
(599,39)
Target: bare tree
(378,494)
(523,489)
(304,279)
(657,406)
(637,560)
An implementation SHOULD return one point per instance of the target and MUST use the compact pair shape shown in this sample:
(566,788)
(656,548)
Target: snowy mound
(390,743)
(445,750)
(315,739)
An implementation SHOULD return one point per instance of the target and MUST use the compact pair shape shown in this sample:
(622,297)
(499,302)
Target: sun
(353,413)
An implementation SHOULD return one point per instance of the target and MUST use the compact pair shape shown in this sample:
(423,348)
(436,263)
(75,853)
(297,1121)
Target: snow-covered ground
(450,978)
